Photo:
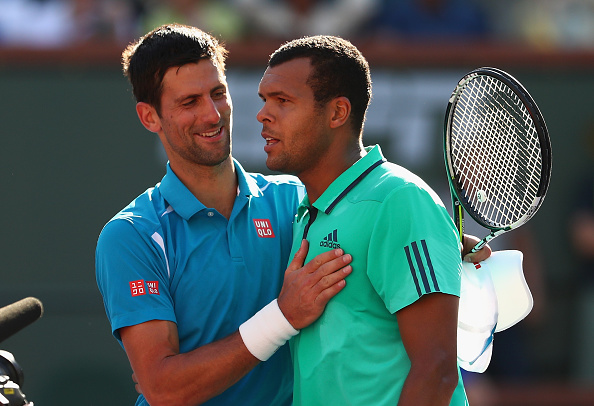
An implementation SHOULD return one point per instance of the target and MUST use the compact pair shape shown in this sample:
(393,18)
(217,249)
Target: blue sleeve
(132,275)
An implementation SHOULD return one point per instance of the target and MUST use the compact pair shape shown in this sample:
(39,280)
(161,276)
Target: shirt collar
(186,204)
(340,187)
(247,184)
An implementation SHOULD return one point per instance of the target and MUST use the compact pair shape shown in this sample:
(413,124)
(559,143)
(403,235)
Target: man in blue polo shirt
(191,270)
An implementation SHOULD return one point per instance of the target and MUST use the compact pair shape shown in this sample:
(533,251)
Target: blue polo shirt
(168,257)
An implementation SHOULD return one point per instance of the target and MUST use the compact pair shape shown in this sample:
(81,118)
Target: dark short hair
(145,61)
(339,69)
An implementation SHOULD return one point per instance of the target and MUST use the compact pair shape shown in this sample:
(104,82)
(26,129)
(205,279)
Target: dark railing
(385,53)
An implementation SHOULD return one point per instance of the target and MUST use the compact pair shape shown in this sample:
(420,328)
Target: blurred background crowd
(542,23)
(74,153)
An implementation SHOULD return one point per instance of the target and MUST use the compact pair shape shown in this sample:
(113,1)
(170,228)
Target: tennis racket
(497,152)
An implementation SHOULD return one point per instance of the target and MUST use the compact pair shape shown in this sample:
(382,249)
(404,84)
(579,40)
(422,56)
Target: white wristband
(266,331)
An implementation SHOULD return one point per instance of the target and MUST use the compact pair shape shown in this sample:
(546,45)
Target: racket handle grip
(478,246)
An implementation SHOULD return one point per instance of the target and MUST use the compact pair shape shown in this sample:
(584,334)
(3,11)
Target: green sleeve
(414,248)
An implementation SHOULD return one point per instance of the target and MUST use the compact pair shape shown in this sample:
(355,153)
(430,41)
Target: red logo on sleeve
(137,288)
(153,287)
(264,228)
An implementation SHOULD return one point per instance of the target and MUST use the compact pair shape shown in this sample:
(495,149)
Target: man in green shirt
(389,337)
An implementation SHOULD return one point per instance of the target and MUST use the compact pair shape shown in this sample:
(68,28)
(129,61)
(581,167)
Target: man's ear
(341,109)
(148,117)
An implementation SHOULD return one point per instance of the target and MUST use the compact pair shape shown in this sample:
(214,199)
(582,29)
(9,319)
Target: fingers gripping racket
(497,152)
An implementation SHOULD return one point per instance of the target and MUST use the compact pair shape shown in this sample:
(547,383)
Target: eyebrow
(274,94)
(198,95)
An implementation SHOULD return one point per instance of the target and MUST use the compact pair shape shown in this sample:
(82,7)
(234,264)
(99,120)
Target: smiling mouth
(270,140)
(212,133)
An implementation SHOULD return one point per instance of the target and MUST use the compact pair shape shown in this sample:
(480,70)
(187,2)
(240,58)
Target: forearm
(207,371)
(428,388)
(167,377)
(199,375)
(428,330)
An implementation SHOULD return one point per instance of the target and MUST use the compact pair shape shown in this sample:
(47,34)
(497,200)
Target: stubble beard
(211,157)
(281,162)
(198,155)
(216,156)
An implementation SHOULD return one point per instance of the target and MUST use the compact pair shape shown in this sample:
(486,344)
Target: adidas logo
(330,241)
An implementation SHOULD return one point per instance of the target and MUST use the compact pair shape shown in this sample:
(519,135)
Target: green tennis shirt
(404,245)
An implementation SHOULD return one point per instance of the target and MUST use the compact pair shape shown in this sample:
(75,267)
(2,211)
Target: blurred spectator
(216,17)
(36,23)
(581,232)
(105,20)
(576,23)
(544,23)
(288,19)
(431,19)
(56,23)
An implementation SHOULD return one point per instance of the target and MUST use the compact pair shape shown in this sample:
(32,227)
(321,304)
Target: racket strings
(495,151)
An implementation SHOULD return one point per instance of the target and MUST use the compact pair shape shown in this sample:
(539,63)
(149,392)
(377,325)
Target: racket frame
(459,203)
